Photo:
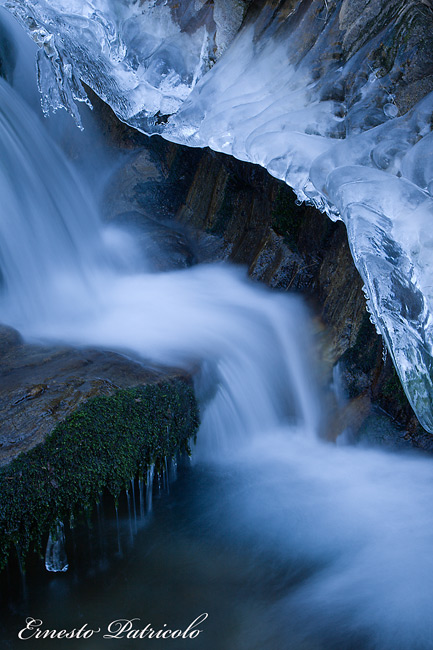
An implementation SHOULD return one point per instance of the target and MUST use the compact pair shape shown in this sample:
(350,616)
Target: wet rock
(9,338)
(141,198)
(160,247)
(41,385)
(348,420)
(8,53)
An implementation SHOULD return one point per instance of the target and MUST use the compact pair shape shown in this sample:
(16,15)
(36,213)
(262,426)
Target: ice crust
(272,93)
(143,58)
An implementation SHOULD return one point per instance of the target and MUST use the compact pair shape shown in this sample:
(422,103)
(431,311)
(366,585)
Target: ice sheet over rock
(303,90)
(143,58)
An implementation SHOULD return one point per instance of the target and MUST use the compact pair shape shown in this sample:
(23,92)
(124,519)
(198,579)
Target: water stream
(285,541)
(311,91)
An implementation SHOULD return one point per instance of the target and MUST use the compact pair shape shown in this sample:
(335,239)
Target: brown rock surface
(41,385)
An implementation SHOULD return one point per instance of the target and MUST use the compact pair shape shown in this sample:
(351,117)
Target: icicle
(149,487)
(22,572)
(55,555)
(119,546)
(101,532)
(131,533)
(141,491)
(173,469)
(166,476)
(133,504)
(338,385)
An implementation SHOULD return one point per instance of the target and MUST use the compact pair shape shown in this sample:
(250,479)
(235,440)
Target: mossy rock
(104,444)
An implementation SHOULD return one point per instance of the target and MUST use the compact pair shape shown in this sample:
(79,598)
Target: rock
(8,53)
(41,385)
(103,445)
(9,338)
(349,419)
(228,209)
(159,247)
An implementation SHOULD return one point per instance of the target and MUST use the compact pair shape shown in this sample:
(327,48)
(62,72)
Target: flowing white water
(293,94)
(60,283)
(48,228)
(359,521)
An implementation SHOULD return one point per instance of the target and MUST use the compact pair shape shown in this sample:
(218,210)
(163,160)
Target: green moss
(104,444)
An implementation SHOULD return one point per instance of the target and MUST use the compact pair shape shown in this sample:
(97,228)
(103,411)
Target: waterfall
(49,228)
(62,283)
(311,91)
(358,522)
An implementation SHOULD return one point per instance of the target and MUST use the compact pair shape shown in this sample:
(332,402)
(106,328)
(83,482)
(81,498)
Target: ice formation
(300,89)
(143,58)
(55,554)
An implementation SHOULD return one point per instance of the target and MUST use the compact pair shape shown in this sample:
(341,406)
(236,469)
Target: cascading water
(345,533)
(315,91)
(51,243)
(60,283)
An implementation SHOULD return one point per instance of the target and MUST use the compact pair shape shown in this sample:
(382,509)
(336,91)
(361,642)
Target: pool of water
(165,567)
(290,544)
